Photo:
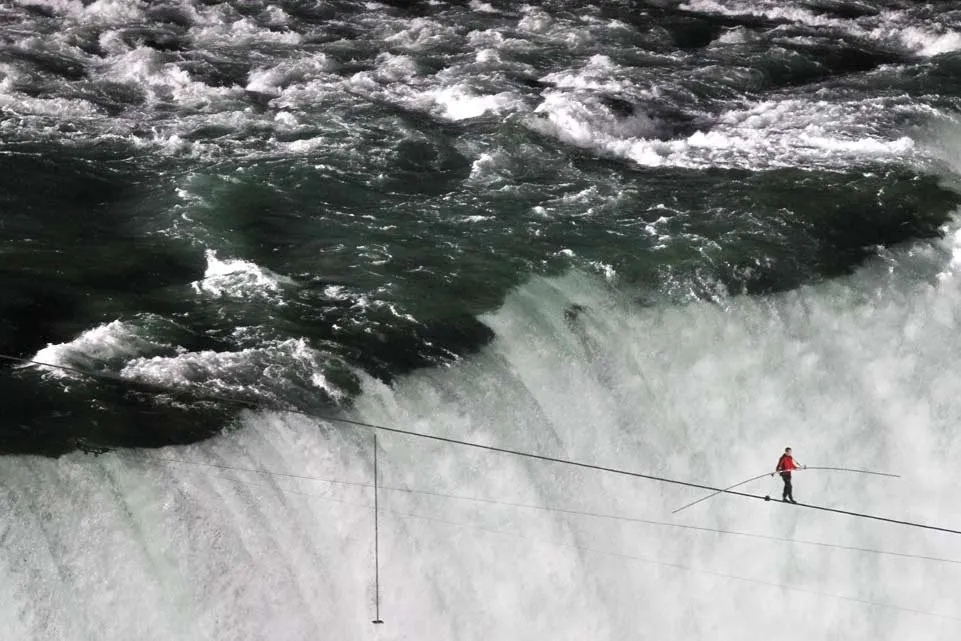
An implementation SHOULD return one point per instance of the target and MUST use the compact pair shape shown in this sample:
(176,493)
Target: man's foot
(785,500)
(792,500)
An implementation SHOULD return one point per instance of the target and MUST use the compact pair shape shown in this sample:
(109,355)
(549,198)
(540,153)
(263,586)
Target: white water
(858,372)
(310,102)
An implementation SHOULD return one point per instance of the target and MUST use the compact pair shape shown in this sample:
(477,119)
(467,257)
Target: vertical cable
(376,541)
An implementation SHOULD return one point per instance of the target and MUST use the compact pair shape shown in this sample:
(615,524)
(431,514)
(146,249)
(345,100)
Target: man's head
(787,450)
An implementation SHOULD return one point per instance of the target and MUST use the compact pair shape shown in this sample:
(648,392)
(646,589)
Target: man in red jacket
(784,465)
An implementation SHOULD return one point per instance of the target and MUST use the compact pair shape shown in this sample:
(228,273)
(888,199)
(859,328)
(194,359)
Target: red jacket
(786,463)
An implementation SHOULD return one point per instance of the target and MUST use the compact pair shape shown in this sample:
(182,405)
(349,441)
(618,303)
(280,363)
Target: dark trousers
(788,490)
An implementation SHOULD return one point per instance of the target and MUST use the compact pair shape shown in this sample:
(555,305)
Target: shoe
(785,500)
(793,501)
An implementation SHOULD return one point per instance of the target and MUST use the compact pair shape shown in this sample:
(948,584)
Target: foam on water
(891,26)
(165,81)
(243,32)
(768,134)
(460,103)
(126,349)
(100,11)
(927,43)
(482,7)
(274,80)
(256,371)
(239,279)
(113,342)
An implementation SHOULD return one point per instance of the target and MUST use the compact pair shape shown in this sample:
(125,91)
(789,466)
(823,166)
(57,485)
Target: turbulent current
(666,237)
